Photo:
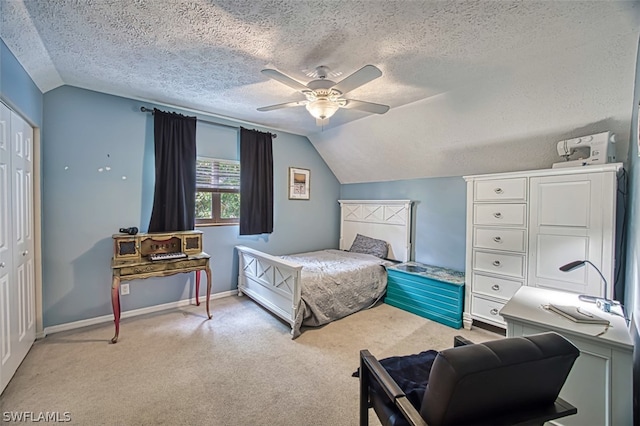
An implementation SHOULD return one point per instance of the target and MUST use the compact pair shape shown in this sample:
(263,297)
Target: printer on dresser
(522,226)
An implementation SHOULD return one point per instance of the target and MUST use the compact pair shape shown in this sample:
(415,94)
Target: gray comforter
(335,284)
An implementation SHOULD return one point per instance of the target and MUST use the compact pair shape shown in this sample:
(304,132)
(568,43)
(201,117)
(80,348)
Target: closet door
(17,280)
(572,218)
(23,261)
(7,363)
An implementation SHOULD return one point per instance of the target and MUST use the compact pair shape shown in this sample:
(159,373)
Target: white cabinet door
(7,363)
(571,218)
(23,260)
(17,280)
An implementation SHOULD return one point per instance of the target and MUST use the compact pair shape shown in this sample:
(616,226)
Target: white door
(6,253)
(17,280)
(567,223)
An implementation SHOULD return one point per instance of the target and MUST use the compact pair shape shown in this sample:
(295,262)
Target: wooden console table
(131,262)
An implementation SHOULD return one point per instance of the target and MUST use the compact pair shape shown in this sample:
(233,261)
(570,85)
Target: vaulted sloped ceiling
(474,86)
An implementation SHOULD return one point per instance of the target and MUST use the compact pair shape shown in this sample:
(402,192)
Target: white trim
(37,227)
(128,314)
(391,202)
(594,168)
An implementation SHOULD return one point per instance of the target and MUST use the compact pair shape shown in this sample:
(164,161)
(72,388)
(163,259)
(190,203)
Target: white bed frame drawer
(511,265)
(500,239)
(495,287)
(501,189)
(500,214)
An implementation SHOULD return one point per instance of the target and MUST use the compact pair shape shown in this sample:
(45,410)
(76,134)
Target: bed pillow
(368,245)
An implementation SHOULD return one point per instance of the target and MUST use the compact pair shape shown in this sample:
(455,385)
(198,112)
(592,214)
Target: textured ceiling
(206,55)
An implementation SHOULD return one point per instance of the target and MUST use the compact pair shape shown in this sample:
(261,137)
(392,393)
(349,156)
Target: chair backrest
(482,381)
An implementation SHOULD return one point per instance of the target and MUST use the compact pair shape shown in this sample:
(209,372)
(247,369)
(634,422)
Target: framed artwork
(299,183)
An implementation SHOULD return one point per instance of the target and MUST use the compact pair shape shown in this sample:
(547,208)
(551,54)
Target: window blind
(217,175)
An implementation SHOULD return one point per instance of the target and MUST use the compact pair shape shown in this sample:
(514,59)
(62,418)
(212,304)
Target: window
(217,191)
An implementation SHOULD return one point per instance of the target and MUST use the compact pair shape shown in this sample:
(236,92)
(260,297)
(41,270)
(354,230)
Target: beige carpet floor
(240,368)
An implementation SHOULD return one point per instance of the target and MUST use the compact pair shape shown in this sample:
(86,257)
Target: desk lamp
(603,304)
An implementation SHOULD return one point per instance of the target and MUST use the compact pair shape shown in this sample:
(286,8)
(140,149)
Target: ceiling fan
(324,97)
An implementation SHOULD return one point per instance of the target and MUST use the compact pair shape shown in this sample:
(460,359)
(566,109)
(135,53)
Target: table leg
(115,303)
(208,270)
(197,288)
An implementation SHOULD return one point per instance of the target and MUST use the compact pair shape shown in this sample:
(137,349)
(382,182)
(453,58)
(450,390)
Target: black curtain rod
(145,109)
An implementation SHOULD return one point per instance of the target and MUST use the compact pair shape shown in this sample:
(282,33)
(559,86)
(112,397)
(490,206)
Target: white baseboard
(128,314)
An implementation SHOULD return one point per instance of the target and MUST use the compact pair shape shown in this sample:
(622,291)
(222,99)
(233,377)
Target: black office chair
(512,381)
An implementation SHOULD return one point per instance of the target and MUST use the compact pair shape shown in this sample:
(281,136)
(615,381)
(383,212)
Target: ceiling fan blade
(358,78)
(284,105)
(366,106)
(288,81)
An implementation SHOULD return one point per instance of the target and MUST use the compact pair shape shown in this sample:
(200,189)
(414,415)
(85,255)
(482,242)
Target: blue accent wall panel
(17,89)
(98,176)
(439,215)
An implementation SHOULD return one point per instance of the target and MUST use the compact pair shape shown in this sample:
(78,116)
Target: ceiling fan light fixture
(324,97)
(322,108)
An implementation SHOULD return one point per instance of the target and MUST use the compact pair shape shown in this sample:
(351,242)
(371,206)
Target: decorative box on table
(429,291)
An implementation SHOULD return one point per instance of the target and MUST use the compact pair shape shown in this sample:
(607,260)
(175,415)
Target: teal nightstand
(429,291)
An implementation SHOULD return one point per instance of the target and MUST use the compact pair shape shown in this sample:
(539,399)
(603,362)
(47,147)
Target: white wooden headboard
(388,220)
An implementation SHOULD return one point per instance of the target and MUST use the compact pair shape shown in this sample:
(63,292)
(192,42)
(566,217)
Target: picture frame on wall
(299,185)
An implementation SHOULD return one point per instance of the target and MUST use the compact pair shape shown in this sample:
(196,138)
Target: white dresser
(522,226)
(600,383)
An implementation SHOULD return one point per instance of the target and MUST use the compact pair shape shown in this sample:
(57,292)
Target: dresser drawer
(495,287)
(500,214)
(487,309)
(499,263)
(501,189)
(163,268)
(500,239)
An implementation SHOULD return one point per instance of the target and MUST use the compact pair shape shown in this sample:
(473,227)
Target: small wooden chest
(429,291)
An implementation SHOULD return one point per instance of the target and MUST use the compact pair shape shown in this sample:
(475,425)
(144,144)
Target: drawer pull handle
(495,287)
(498,191)
(496,263)
(494,311)
(497,215)
(497,240)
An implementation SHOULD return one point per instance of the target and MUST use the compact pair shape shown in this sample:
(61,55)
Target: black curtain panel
(256,182)
(175,191)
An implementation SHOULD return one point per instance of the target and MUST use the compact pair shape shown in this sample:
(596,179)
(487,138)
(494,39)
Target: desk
(600,383)
(139,269)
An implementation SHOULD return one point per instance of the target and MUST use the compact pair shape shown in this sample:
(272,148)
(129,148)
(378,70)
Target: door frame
(37,217)
(37,229)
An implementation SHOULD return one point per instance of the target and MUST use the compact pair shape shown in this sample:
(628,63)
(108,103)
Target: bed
(292,286)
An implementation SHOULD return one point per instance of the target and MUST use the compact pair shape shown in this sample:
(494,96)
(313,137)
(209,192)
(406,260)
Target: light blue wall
(632,280)
(439,215)
(17,89)
(83,207)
